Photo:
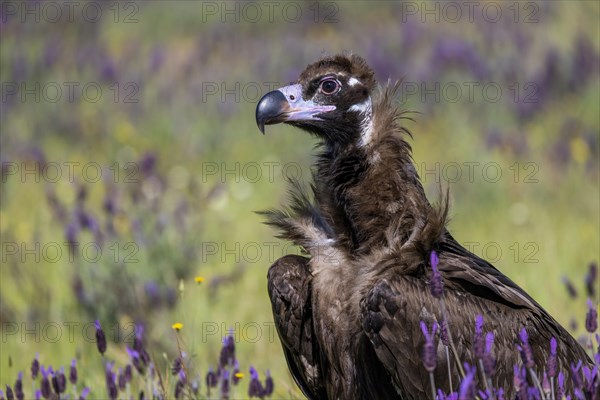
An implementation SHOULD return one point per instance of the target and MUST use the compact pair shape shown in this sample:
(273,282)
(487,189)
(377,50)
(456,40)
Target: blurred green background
(128,127)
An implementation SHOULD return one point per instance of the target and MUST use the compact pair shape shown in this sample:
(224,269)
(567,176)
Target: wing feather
(289,286)
(392,310)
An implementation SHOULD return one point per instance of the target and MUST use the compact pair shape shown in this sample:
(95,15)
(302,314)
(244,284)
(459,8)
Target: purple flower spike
(255,389)
(85,393)
(570,287)
(588,373)
(136,360)
(429,353)
(591,318)
(546,385)
(35,367)
(9,393)
(55,384)
(177,365)
(128,373)
(436,285)
(478,342)
(576,376)
(225,385)
(19,386)
(100,338)
(520,381)
(73,372)
(111,385)
(526,352)
(489,341)
(433,259)
(551,363)
(489,362)
(121,381)
(179,387)
(500,394)
(467,389)
(269,385)
(211,378)
(561,385)
(182,377)
(227,356)
(62,380)
(45,386)
(444,337)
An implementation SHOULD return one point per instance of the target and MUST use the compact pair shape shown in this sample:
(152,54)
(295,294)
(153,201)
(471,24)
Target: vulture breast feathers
(349,313)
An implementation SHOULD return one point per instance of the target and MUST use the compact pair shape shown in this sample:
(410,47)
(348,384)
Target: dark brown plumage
(348,314)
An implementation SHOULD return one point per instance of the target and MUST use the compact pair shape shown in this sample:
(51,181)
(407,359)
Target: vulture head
(331,99)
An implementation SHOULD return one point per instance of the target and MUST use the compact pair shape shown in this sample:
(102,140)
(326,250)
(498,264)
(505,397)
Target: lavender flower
(177,365)
(551,363)
(520,381)
(525,349)
(138,344)
(500,394)
(61,380)
(182,376)
(561,385)
(54,381)
(467,389)
(84,393)
(148,163)
(128,373)
(429,353)
(436,285)
(111,386)
(100,338)
(19,387)
(211,380)
(478,341)
(444,333)
(121,380)
(591,318)
(255,389)
(533,393)
(73,372)
(35,367)
(136,360)
(489,362)
(269,385)
(546,385)
(589,374)
(38,394)
(227,356)
(45,386)
(179,389)
(570,287)
(225,385)
(9,393)
(575,376)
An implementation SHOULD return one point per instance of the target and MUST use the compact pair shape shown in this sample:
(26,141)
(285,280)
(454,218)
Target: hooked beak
(286,104)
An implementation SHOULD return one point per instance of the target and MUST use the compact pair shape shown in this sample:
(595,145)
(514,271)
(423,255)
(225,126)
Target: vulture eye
(329,86)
